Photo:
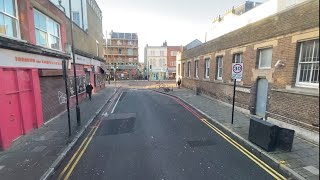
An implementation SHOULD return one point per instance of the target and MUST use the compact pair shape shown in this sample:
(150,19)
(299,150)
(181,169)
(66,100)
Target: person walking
(89,89)
(179,83)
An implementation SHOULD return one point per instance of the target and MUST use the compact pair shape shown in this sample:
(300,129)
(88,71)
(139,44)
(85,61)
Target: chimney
(165,43)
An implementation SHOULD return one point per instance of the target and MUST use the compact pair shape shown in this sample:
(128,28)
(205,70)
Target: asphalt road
(150,136)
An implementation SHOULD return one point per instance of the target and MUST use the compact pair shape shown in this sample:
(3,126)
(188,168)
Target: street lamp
(74,67)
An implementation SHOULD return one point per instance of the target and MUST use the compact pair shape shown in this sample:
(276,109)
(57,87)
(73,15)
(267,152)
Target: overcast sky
(176,21)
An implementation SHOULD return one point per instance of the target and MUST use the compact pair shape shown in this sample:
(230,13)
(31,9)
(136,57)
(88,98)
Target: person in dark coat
(89,88)
(179,83)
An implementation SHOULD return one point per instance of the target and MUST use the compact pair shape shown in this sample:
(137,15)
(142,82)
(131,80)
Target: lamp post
(74,67)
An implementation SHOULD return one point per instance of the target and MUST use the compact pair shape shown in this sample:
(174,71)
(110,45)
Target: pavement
(32,155)
(302,162)
(149,136)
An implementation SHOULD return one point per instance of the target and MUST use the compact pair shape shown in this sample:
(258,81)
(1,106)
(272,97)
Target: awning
(106,71)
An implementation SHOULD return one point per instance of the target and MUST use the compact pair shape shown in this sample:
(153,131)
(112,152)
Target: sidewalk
(303,159)
(33,154)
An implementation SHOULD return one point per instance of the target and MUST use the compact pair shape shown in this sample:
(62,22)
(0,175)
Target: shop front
(21,104)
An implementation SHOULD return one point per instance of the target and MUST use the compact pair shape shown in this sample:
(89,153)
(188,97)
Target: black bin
(263,134)
(285,139)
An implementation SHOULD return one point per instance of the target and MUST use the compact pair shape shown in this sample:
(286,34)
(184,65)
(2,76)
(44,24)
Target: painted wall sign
(10,58)
(241,89)
(82,60)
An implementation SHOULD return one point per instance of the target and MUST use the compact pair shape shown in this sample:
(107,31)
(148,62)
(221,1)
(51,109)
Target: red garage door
(19,113)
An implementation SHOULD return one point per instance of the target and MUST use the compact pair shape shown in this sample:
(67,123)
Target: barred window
(219,67)
(308,65)
(189,69)
(206,68)
(196,69)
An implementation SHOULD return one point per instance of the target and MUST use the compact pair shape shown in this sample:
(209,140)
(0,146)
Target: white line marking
(1,167)
(116,103)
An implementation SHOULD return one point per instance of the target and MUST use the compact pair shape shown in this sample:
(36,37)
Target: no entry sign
(237,70)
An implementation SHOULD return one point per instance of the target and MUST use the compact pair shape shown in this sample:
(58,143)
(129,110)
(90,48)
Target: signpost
(237,71)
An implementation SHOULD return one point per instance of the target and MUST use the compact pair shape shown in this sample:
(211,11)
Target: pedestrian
(179,83)
(89,88)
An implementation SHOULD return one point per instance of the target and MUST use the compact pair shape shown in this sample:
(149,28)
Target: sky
(176,21)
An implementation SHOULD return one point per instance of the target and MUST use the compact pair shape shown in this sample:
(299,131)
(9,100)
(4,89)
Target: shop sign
(10,58)
(82,60)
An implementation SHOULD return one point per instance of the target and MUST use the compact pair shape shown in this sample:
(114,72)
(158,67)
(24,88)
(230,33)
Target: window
(76,17)
(97,47)
(161,53)
(265,58)
(206,68)
(119,51)
(183,71)
(47,31)
(119,43)
(173,53)
(152,53)
(189,69)
(237,58)
(130,52)
(196,69)
(308,65)
(9,25)
(219,67)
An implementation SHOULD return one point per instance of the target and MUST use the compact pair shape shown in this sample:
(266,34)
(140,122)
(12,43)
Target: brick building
(122,54)
(281,66)
(34,39)
(172,52)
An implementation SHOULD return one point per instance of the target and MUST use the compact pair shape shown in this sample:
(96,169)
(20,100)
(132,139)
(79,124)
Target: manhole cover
(199,143)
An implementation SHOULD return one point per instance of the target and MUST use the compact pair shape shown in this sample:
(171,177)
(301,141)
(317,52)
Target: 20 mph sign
(237,70)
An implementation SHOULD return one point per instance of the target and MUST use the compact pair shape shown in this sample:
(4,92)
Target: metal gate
(262,95)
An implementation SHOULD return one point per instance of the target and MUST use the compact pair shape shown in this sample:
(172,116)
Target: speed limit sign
(237,70)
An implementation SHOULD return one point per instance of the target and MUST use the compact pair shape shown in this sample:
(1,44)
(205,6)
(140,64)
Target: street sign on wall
(237,70)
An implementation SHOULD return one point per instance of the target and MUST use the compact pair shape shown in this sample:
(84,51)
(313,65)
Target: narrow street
(142,134)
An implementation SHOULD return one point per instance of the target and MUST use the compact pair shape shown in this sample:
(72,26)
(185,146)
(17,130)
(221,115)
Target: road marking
(74,155)
(80,155)
(247,153)
(116,103)
(84,144)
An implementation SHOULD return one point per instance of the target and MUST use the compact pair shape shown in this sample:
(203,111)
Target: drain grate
(199,143)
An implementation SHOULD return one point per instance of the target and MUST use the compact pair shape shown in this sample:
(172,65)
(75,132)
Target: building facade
(34,40)
(161,61)
(122,55)
(246,13)
(281,66)
(172,52)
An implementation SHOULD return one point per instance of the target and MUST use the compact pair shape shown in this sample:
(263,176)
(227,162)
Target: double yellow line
(251,156)
(76,156)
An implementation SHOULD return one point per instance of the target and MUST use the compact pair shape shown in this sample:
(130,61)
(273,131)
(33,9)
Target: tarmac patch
(119,123)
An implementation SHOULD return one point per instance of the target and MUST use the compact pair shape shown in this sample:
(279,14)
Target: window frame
(183,69)
(17,22)
(74,12)
(261,49)
(48,34)
(306,84)
(189,69)
(207,68)
(196,69)
(219,65)
(237,54)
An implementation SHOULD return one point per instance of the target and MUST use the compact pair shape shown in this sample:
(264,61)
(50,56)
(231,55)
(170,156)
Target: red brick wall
(170,58)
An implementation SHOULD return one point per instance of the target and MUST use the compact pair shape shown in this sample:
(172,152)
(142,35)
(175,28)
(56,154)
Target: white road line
(116,103)
(1,167)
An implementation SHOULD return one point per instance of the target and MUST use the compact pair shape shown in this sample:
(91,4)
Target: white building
(232,19)
(156,62)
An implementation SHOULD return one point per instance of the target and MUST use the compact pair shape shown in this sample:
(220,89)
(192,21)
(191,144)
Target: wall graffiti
(81,85)
(62,97)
